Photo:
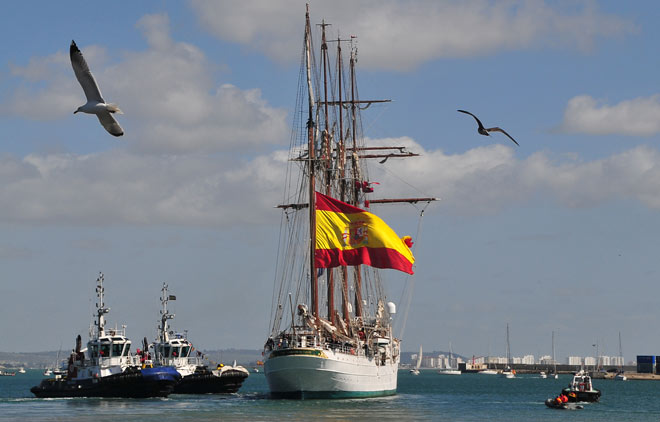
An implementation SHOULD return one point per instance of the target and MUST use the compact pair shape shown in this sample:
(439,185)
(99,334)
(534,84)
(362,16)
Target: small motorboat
(581,389)
(554,404)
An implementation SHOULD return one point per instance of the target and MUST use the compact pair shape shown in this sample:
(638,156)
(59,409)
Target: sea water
(427,397)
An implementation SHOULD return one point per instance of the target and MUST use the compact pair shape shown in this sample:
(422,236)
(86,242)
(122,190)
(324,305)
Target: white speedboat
(452,369)
(415,370)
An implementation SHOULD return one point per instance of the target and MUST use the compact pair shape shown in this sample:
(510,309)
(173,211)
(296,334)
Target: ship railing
(346,348)
(115,332)
(193,360)
(118,361)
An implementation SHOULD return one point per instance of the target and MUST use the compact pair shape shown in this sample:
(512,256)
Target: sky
(559,234)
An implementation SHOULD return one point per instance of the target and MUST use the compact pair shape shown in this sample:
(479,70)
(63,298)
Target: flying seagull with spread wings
(95,102)
(484,131)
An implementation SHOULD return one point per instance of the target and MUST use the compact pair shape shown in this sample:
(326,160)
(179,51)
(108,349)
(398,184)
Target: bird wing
(84,75)
(110,123)
(475,117)
(497,129)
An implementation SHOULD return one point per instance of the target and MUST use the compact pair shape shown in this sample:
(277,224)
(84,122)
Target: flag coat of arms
(347,235)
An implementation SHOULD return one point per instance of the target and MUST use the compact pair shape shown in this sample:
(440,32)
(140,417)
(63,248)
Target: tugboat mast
(100,307)
(163,329)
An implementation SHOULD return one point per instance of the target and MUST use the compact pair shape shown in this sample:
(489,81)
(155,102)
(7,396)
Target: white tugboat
(331,331)
(106,368)
(174,349)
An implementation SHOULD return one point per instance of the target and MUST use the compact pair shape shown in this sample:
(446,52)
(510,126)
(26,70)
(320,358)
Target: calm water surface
(428,397)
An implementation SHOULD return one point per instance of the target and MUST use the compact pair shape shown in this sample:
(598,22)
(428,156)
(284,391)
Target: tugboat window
(105,350)
(116,349)
(185,351)
(166,351)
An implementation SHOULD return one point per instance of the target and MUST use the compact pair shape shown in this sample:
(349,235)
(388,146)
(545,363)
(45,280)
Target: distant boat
(452,370)
(21,370)
(508,372)
(48,372)
(553,373)
(415,370)
(542,374)
(7,374)
(620,376)
(488,371)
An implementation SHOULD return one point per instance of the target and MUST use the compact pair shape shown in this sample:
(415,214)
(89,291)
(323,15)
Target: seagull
(95,102)
(484,131)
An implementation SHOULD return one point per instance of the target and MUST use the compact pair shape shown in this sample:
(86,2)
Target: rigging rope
(409,286)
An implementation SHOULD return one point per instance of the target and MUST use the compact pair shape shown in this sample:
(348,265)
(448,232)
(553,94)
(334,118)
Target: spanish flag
(346,235)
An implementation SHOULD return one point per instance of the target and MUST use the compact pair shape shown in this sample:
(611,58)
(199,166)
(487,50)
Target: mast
(620,354)
(356,180)
(508,347)
(342,176)
(553,352)
(328,164)
(100,307)
(312,175)
(163,329)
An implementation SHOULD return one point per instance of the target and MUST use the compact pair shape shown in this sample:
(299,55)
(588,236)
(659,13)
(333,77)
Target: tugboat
(174,349)
(581,389)
(109,369)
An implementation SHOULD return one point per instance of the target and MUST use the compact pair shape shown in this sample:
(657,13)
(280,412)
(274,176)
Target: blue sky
(557,234)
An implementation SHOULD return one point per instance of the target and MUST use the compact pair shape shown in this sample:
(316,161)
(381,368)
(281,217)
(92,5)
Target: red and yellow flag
(347,235)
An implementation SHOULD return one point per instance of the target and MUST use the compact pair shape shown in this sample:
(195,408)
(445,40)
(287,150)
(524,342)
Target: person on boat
(564,398)
(558,400)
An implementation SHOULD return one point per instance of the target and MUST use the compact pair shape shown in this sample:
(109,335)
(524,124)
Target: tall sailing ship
(331,333)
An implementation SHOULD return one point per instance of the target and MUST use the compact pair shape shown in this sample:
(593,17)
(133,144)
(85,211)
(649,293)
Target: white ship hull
(317,373)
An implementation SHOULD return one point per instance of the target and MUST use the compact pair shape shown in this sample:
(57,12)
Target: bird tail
(113,108)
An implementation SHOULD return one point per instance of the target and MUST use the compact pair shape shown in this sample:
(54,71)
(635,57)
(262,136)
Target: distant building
(617,361)
(429,362)
(496,360)
(589,361)
(546,360)
(528,360)
(481,360)
(574,360)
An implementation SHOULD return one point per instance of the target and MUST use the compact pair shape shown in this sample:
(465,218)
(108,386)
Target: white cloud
(120,187)
(171,101)
(401,35)
(636,117)
(488,179)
